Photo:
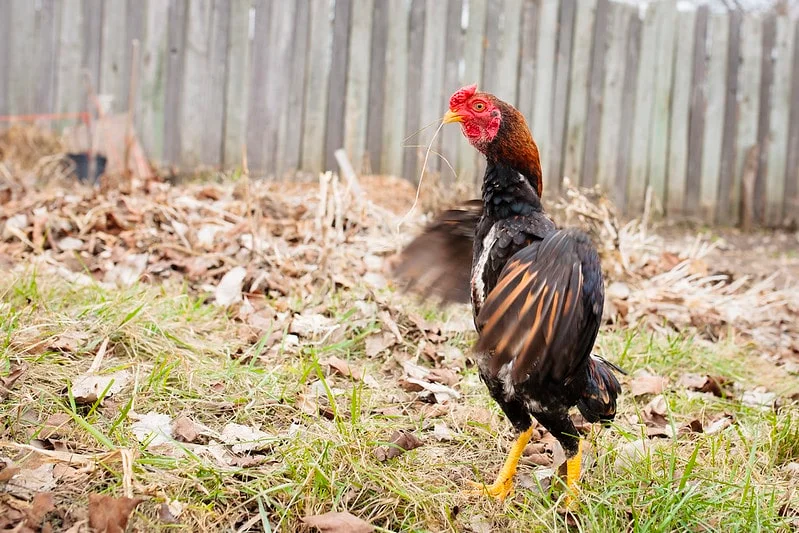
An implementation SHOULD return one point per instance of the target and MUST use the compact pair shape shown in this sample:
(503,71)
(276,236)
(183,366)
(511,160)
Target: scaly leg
(503,485)
(573,469)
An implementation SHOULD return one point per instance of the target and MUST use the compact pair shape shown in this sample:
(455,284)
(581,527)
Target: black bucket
(81,161)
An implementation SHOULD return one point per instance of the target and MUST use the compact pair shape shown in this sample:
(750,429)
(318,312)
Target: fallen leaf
(715,385)
(86,389)
(6,382)
(228,291)
(69,244)
(442,432)
(441,393)
(28,481)
(110,515)
(184,429)
(312,324)
(646,383)
(342,367)
(402,442)
(694,426)
(445,376)
(128,271)
(170,511)
(655,412)
(69,341)
(719,425)
(153,428)
(243,438)
(338,522)
(41,505)
(630,454)
(7,472)
(758,398)
(375,344)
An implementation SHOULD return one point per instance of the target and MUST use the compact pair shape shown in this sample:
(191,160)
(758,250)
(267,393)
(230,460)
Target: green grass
(191,358)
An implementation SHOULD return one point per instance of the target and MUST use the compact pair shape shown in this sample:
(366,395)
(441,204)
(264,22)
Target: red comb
(462,95)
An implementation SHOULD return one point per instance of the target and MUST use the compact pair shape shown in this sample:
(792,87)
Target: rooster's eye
(479,106)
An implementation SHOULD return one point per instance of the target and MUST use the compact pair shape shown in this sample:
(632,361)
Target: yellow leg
(503,485)
(573,468)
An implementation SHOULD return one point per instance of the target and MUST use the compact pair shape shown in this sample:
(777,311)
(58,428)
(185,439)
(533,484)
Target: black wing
(544,313)
(439,261)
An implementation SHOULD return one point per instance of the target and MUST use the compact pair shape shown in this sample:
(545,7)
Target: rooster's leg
(503,485)
(573,470)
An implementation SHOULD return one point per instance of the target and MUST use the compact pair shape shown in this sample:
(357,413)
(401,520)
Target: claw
(499,490)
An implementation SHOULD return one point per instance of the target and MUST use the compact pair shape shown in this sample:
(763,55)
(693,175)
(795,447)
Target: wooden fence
(700,106)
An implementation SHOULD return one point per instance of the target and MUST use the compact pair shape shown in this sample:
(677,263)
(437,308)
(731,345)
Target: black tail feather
(598,401)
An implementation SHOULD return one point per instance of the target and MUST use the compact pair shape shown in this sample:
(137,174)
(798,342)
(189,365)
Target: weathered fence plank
(563,58)
(528,40)
(337,84)
(778,122)
(764,141)
(748,107)
(377,87)
(473,53)
(135,28)
(281,31)
(508,47)
(202,116)
(290,139)
(644,110)
(152,80)
(174,79)
(791,203)
(677,160)
(23,55)
(6,37)
(316,88)
(696,120)
(546,48)
(412,118)
(628,111)
(357,93)
(396,90)
(726,201)
(112,81)
(453,50)
(431,99)
(45,69)
(578,91)
(70,87)
(715,95)
(595,84)
(618,21)
(666,13)
(93,38)
(237,83)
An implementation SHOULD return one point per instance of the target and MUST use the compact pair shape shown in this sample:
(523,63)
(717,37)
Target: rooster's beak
(452,116)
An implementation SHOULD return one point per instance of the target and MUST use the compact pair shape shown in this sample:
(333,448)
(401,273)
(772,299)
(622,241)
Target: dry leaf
(444,376)
(389,322)
(6,382)
(86,389)
(229,289)
(170,511)
(646,384)
(41,505)
(402,441)
(342,367)
(312,324)
(154,428)
(719,425)
(338,522)
(244,438)
(29,481)
(376,344)
(110,515)
(441,393)
(128,271)
(758,398)
(655,412)
(184,429)
(441,432)
(69,341)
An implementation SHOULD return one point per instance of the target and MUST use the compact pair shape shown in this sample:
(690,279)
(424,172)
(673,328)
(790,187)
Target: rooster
(536,290)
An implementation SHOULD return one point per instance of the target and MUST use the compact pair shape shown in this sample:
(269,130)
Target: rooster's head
(497,129)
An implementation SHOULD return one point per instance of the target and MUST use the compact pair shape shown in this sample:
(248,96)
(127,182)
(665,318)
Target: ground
(236,356)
